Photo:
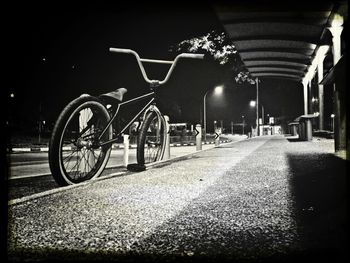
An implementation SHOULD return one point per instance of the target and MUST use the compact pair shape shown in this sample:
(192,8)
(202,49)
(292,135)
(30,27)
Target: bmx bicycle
(82,137)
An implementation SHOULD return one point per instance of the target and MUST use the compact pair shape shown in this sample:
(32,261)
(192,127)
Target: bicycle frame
(151,96)
(151,101)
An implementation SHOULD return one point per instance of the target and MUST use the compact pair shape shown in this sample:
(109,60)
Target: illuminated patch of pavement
(233,201)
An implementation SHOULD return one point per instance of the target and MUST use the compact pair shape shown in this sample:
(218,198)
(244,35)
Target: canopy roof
(278,39)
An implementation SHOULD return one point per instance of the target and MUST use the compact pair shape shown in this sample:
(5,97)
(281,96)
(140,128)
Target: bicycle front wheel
(75,154)
(151,142)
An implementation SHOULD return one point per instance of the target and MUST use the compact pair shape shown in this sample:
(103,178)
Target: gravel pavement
(258,200)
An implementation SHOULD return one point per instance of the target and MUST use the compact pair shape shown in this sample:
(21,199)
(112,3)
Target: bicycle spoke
(76,164)
(69,156)
(84,160)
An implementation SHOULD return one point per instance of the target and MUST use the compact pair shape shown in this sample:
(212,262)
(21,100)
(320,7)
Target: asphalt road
(31,164)
(259,200)
(29,173)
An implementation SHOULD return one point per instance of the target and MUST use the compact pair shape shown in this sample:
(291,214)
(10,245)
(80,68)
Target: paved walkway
(266,198)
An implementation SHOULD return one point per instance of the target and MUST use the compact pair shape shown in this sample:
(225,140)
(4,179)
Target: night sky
(58,51)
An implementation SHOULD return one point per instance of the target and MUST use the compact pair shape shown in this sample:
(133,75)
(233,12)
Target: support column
(309,97)
(305,89)
(336,41)
(339,98)
(323,50)
(257,107)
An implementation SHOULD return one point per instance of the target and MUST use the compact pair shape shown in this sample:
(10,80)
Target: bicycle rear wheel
(75,154)
(151,142)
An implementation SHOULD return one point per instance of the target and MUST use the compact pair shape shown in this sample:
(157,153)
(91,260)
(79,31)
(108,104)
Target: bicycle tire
(151,141)
(72,140)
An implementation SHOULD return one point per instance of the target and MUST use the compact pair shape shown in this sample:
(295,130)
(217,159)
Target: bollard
(126,149)
(198,137)
(166,155)
(217,139)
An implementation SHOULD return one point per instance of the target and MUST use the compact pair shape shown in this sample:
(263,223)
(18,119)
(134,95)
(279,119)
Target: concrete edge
(65,188)
(131,146)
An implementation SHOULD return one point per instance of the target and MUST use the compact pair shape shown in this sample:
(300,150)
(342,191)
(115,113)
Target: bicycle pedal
(135,167)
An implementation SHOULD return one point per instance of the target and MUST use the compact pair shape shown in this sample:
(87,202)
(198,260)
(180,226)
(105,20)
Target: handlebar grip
(120,50)
(190,55)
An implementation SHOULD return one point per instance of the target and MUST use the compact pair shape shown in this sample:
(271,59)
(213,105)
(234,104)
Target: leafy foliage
(218,47)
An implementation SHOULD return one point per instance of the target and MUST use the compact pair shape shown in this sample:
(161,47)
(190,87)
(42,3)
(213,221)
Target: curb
(132,146)
(65,188)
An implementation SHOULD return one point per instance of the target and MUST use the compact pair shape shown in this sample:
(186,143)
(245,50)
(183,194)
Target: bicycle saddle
(117,94)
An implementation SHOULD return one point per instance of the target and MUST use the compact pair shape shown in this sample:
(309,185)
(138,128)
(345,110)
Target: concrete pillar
(309,97)
(339,92)
(341,134)
(305,89)
(199,137)
(166,155)
(320,97)
(322,55)
(257,106)
(336,41)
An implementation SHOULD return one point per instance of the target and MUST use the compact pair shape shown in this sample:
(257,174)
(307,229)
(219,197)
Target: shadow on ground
(294,139)
(319,188)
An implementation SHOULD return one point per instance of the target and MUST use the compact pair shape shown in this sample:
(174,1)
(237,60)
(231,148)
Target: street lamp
(217,91)
(253,103)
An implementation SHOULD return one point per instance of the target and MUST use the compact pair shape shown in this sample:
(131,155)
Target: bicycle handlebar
(140,60)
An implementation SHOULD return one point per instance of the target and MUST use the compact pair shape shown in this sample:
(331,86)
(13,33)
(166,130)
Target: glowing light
(218,90)
(252,103)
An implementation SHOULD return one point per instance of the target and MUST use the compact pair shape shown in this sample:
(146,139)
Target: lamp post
(253,103)
(262,112)
(217,90)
